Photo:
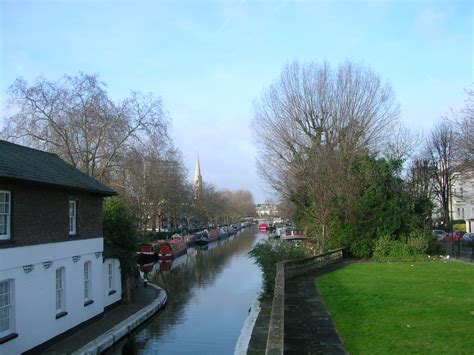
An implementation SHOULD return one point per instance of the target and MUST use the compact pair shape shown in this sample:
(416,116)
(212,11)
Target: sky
(210,60)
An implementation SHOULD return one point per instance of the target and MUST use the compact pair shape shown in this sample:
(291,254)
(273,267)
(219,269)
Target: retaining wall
(286,270)
(112,336)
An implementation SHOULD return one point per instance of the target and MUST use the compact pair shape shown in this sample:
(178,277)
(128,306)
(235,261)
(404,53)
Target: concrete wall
(34,293)
(286,270)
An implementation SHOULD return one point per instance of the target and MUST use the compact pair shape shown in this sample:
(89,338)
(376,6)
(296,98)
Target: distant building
(461,204)
(197,180)
(462,201)
(267,210)
(53,273)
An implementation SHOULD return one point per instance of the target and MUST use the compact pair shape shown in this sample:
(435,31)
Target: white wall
(465,200)
(35,292)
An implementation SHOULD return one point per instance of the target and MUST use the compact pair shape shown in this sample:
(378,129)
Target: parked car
(456,235)
(468,237)
(439,234)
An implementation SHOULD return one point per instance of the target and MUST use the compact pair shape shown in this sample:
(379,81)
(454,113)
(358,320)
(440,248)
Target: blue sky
(210,60)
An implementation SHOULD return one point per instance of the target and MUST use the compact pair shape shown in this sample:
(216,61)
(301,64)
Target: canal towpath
(308,327)
(143,300)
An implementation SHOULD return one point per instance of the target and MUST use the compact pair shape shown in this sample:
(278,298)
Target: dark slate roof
(28,164)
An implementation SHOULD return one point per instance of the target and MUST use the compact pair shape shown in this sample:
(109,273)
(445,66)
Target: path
(141,297)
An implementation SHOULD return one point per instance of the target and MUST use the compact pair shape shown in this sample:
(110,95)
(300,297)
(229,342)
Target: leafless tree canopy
(464,123)
(313,105)
(441,150)
(123,143)
(75,118)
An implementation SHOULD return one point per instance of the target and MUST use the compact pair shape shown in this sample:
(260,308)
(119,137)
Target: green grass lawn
(399,308)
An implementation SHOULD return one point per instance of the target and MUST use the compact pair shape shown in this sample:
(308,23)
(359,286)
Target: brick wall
(40,214)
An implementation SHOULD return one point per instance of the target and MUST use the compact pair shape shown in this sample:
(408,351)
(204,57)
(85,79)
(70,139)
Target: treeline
(331,144)
(123,143)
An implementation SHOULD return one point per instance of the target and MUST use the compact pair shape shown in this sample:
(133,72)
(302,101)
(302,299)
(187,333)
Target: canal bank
(114,325)
(296,320)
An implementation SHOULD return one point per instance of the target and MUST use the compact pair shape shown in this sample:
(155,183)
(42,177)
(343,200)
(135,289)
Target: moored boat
(146,254)
(162,249)
(293,234)
(190,239)
(206,236)
(223,233)
(170,249)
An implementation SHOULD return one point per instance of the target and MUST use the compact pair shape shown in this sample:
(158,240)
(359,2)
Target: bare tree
(312,122)
(464,123)
(442,153)
(419,179)
(237,204)
(75,118)
(401,144)
(153,181)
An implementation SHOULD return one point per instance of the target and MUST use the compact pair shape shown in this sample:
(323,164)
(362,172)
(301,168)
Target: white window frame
(111,276)
(8,307)
(7,214)
(60,289)
(72,217)
(87,281)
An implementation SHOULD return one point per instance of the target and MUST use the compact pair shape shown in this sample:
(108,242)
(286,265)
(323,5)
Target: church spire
(197,180)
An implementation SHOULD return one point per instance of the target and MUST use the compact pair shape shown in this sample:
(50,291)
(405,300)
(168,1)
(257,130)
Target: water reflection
(209,292)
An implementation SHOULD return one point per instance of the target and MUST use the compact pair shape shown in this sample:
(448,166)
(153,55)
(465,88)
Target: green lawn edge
(399,308)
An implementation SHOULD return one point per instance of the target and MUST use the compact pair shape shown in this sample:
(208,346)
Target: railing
(458,249)
(286,270)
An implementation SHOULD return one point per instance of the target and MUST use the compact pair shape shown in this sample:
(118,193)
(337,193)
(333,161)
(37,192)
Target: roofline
(67,187)
(27,147)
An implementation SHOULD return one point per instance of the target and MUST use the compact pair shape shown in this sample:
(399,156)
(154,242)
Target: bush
(361,248)
(413,247)
(267,254)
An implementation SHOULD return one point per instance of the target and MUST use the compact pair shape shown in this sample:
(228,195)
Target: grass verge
(399,308)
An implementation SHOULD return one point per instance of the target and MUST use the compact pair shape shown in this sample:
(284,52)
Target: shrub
(361,248)
(412,248)
(418,243)
(268,253)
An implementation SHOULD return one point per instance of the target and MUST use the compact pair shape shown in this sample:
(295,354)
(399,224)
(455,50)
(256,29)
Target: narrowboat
(223,233)
(146,254)
(170,249)
(206,236)
(190,239)
(162,249)
(293,234)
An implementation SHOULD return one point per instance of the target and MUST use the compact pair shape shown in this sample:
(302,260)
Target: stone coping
(288,269)
(113,335)
(246,331)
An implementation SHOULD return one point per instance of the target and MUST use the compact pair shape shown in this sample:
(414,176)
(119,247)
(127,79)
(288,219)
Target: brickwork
(40,214)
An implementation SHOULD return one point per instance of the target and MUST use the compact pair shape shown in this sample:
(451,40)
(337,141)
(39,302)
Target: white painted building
(462,202)
(267,210)
(53,275)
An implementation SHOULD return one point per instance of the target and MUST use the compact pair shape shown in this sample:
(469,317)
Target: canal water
(210,290)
